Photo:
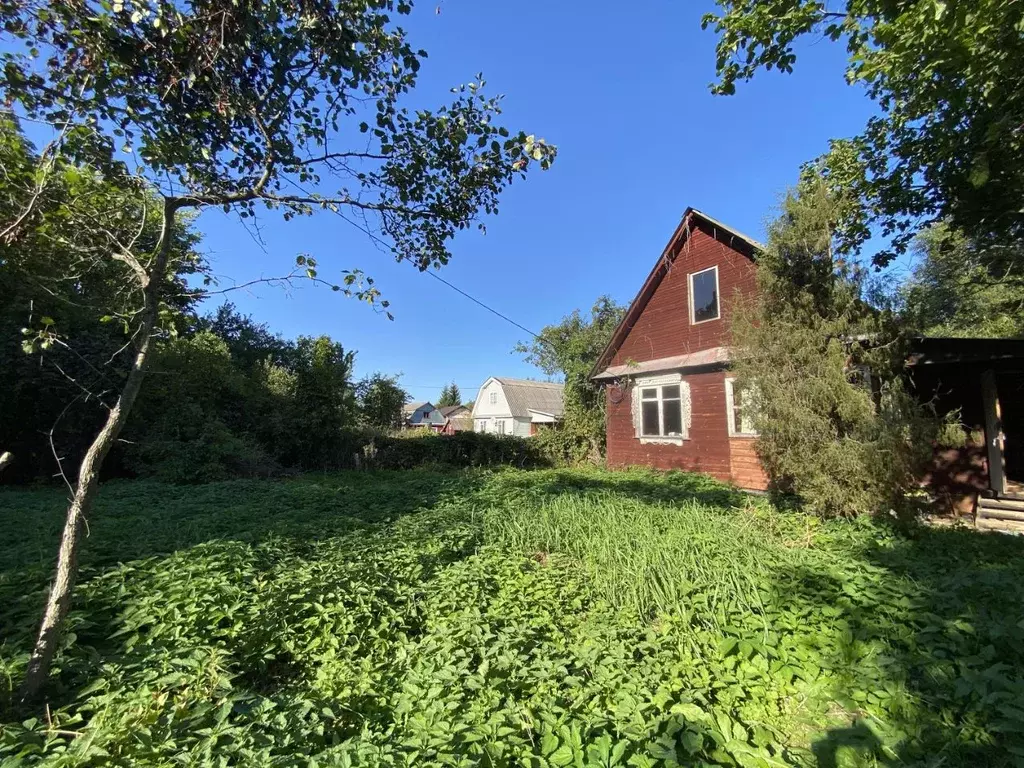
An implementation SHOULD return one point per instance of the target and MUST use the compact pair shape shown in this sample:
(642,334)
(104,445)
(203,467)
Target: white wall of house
(496,417)
(484,408)
(495,425)
(521,427)
(491,412)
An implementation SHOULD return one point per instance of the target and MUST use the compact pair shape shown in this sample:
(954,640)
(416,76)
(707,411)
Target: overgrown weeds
(547,618)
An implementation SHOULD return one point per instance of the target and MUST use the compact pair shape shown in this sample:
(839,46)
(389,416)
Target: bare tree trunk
(59,601)
(5,458)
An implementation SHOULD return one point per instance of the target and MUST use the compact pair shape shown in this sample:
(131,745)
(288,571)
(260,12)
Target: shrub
(566,447)
(843,446)
(463,449)
(215,453)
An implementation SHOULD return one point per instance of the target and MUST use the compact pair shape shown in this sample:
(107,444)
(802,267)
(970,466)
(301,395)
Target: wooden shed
(984,380)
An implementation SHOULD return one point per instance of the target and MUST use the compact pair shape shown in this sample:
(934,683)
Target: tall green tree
(818,371)
(325,397)
(191,424)
(450,395)
(72,304)
(953,292)
(281,104)
(249,342)
(947,78)
(380,401)
(571,348)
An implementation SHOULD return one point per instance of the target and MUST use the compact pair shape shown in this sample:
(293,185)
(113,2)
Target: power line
(489,309)
(434,275)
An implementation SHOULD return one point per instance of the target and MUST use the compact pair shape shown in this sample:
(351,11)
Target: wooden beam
(993,432)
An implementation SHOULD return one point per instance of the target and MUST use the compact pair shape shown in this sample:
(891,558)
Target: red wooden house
(672,402)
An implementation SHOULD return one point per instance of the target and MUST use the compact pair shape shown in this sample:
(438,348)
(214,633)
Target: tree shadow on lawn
(147,523)
(921,648)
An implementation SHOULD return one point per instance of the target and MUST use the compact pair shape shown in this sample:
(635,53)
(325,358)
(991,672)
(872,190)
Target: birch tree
(292,106)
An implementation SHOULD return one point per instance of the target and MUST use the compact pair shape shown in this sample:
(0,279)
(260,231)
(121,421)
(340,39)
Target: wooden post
(993,432)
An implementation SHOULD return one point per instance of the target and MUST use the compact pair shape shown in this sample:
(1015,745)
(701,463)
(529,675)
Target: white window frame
(494,398)
(499,426)
(657,382)
(730,412)
(718,296)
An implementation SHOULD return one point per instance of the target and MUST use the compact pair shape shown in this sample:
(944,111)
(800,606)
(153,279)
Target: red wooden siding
(706,451)
(745,467)
(663,328)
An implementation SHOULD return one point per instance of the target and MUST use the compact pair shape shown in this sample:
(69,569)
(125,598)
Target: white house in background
(516,406)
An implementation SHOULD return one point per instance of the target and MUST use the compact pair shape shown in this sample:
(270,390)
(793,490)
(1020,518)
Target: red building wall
(663,329)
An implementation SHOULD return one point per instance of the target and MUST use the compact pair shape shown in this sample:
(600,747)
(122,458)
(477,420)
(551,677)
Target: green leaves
(946,144)
(374,618)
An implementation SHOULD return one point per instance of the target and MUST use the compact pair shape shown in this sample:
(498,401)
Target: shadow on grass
(244,527)
(923,649)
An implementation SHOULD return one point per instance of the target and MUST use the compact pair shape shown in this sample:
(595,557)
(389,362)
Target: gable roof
(448,410)
(692,218)
(410,408)
(524,396)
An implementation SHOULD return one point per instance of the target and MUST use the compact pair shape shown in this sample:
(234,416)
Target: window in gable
(704,296)
(494,398)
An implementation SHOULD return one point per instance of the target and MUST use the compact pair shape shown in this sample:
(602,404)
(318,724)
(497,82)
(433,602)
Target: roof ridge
(529,382)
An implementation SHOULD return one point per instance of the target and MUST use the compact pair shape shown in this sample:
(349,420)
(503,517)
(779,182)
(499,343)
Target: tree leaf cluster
(946,78)
(959,289)
(381,399)
(570,349)
(450,396)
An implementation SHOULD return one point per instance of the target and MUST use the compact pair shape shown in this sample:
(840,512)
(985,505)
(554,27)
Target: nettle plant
(287,105)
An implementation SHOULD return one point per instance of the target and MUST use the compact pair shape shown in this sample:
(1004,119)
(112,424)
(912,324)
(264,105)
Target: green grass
(544,618)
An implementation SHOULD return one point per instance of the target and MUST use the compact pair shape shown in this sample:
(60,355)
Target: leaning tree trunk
(59,601)
(5,459)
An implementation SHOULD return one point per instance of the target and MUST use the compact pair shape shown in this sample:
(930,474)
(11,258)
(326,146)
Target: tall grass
(686,558)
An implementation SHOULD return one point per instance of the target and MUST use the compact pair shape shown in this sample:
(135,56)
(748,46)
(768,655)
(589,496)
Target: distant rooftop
(524,396)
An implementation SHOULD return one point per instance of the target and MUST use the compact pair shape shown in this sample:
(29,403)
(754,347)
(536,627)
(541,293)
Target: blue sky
(624,95)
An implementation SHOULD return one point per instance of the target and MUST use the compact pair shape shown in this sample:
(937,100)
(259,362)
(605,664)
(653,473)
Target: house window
(494,398)
(481,425)
(704,296)
(500,427)
(738,404)
(661,411)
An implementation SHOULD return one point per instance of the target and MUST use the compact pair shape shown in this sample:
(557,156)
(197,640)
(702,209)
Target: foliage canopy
(380,401)
(955,291)
(947,78)
(570,348)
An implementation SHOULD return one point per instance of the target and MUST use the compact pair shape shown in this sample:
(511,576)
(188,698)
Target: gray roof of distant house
(411,408)
(448,410)
(524,396)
